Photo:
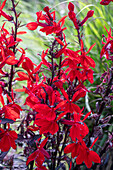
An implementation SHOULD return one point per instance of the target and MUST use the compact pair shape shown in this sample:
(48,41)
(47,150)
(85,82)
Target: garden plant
(53,128)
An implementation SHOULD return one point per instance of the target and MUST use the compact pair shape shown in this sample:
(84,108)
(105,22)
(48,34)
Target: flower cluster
(55,123)
(54,106)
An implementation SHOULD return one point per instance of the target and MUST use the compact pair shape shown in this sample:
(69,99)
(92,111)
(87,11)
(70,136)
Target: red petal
(5,143)
(65,94)
(86,116)
(45,153)
(90,48)
(62,19)
(11,60)
(94,142)
(32,157)
(32,26)
(77,95)
(22,76)
(61,115)
(69,148)
(59,41)
(3,4)
(43,143)
(94,157)
(21,32)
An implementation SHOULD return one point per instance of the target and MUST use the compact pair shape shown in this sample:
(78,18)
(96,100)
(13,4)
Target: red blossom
(50,26)
(107,50)
(12,111)
(74,148)
(68,106)
(7,139)
(79,129)
(84,59)
(39,155)
(82,153)
(47,126)
(7,41)
(87,155)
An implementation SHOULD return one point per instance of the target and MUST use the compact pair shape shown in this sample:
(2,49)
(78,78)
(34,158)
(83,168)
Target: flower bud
(8,17)
(105,2)
(46,9)
(72,15)
(90,13)
(71,7)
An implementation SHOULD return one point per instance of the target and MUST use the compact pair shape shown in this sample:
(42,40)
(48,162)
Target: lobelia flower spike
(50,26)
(54,114)
(72,15)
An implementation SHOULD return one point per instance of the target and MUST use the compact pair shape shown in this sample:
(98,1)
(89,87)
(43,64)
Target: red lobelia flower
(39,155)
(87,155)
(7,139)
(47,126)
(68,105)
(83,154)
(79,129)
(84,59)
(50,26)
(107,50)
(73,148)
(11,110)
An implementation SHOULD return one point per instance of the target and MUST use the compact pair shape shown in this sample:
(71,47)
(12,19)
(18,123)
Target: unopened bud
(71,7)
(72,15)
(90,13)
(46,9)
